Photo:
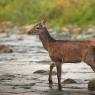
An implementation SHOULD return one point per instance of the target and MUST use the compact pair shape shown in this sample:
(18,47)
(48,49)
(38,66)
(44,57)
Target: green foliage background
(81,12)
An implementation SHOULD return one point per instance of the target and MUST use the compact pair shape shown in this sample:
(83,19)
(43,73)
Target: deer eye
(37,27)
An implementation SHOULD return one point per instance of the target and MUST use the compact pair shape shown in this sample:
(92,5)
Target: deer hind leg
(90,60)
(50,74)
(93,68)
(91,64)
(58,67)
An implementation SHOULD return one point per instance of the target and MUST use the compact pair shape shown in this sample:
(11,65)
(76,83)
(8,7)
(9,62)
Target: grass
(58,12)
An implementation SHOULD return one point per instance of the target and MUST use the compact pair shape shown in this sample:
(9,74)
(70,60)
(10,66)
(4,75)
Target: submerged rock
(7,77)
(69,81)
(5,49)
(40,71)
(43,72)
(91,85)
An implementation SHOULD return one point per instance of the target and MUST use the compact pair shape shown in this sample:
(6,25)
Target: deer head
(38,28)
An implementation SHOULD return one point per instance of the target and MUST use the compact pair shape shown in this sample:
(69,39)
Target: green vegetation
(58,12)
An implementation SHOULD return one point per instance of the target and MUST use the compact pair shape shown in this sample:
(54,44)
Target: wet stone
(69,81)
(91,85)
(5,49)
(40,72)
(25,86)
(6,77)
(43,72)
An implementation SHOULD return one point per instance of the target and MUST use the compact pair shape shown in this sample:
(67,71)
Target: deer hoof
(50,82)
(59,87)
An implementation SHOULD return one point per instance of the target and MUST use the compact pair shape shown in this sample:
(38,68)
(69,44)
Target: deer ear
(43,21)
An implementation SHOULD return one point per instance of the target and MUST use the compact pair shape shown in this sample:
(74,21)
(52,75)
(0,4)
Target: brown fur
(68,51)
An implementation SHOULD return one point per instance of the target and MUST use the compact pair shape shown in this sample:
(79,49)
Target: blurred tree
(59,12)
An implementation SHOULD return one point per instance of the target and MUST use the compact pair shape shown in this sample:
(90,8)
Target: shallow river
(16,69)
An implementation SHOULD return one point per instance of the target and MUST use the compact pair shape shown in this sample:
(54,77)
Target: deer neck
(45,38)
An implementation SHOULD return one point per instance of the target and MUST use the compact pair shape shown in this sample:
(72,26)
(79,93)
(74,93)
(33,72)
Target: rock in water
(69,81)
(5,49)
(44,72)
(40,71)
(91,85)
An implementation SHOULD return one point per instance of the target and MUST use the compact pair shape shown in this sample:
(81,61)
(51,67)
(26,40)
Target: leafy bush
(58,12)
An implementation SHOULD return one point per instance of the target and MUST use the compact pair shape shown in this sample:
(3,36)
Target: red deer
(64,51)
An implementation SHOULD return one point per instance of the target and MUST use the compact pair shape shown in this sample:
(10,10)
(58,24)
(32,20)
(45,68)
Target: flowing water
(16,69)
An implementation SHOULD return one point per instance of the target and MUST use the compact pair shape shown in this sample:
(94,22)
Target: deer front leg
(50,74)
(58,67)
